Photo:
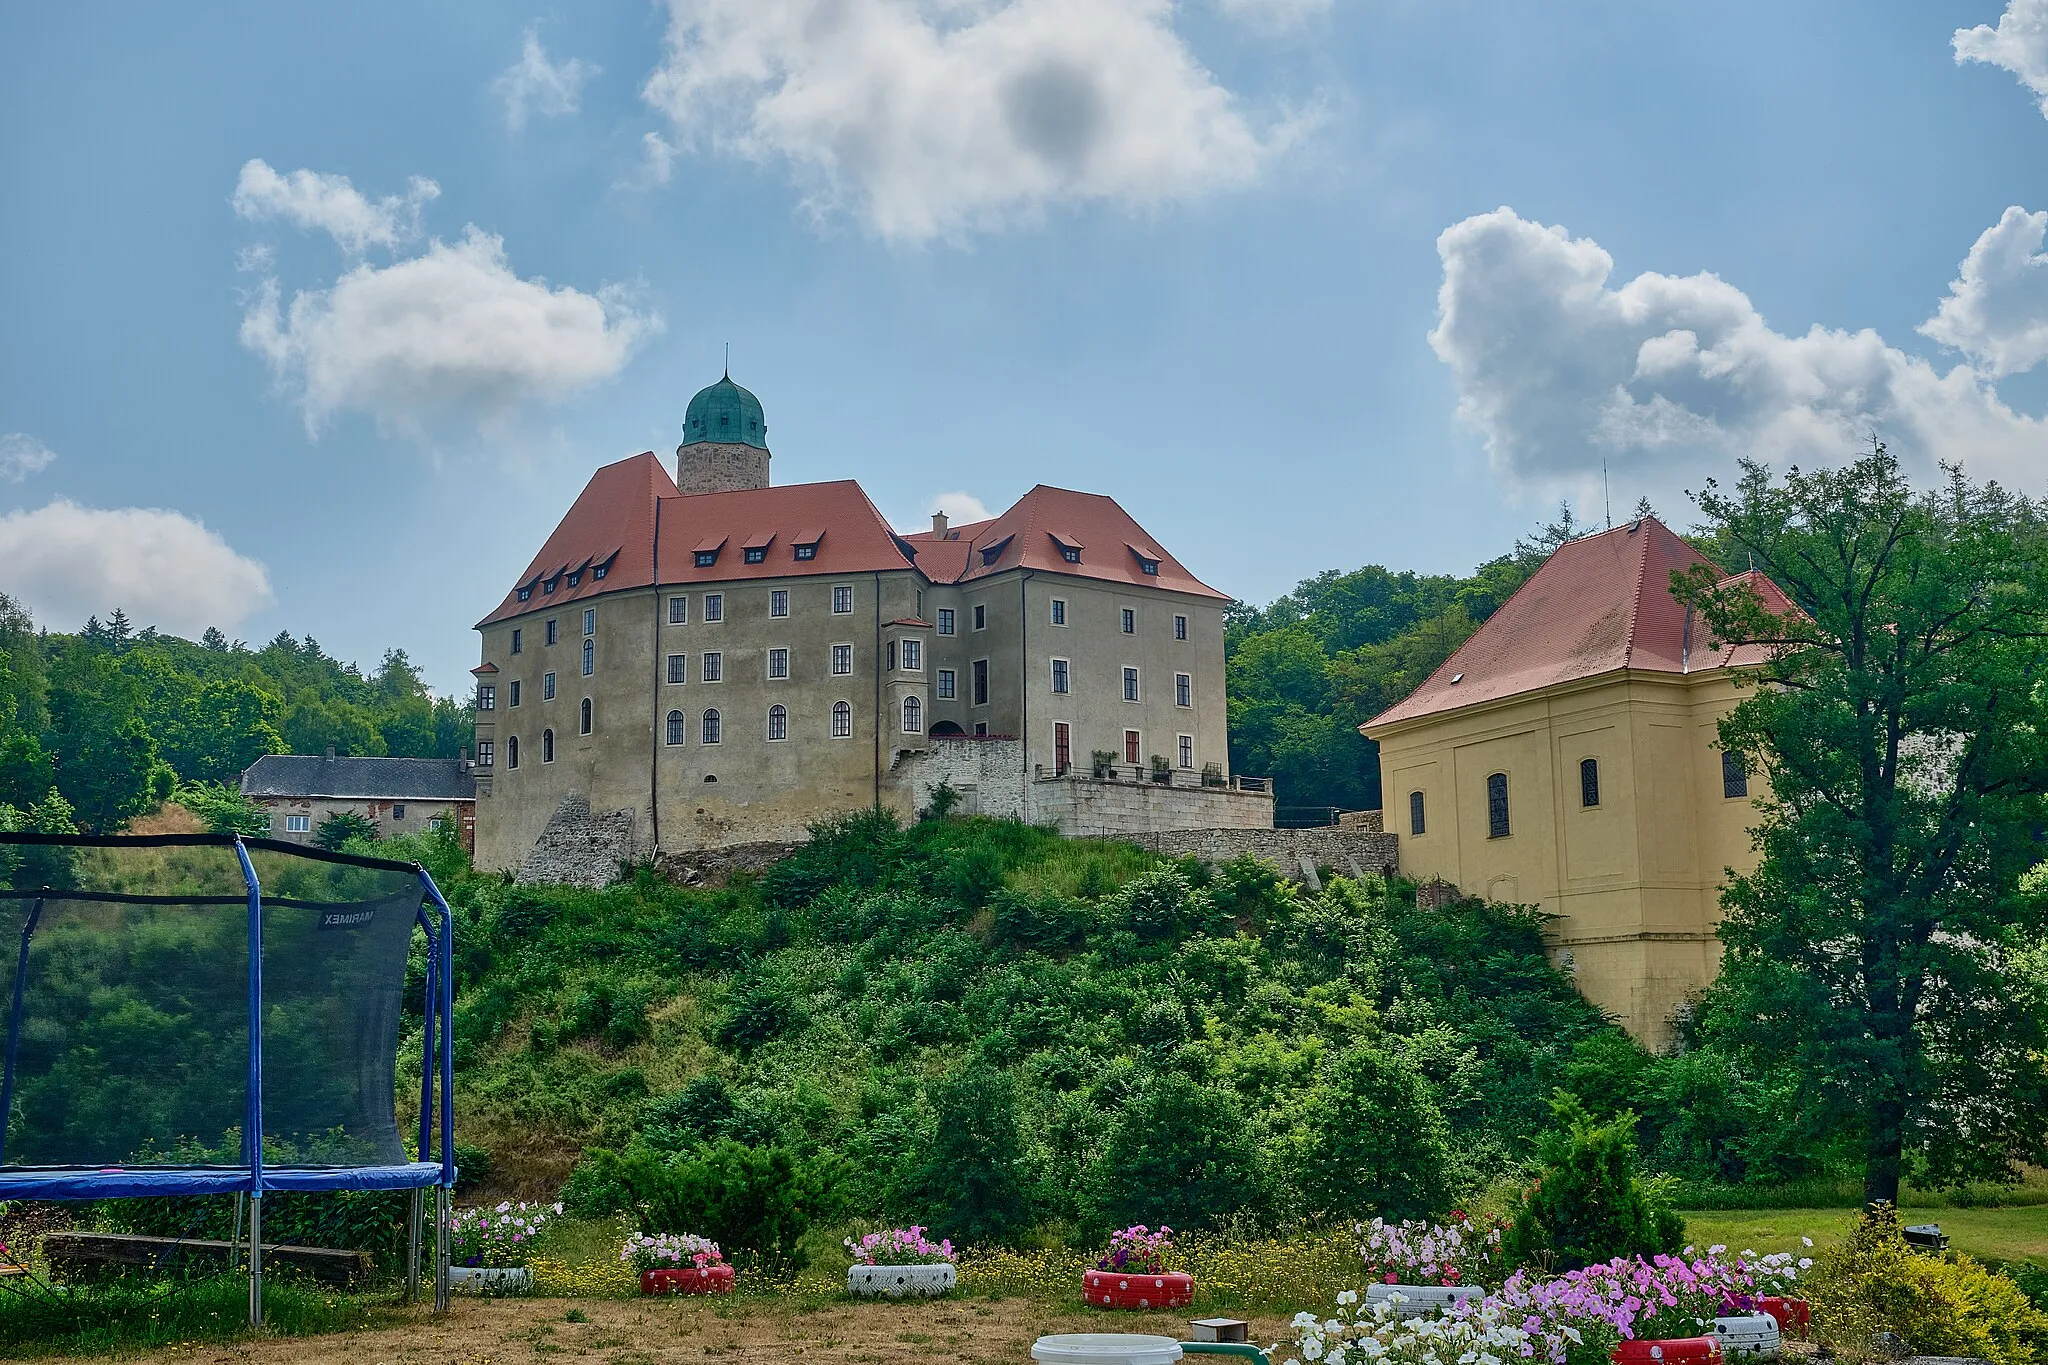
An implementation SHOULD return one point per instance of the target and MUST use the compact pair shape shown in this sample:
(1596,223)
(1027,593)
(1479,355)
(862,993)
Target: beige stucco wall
(418,814)
(1635,880)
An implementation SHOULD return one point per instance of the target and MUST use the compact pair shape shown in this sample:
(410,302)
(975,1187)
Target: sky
(317,318)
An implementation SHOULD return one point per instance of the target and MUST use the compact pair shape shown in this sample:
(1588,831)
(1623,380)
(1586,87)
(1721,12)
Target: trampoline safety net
(130,1002)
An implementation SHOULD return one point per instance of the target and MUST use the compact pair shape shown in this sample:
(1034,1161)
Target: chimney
(939,525)
(330,753)
(466,764)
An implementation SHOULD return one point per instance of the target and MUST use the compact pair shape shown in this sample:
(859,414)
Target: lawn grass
(2007,1234)
(120,1317)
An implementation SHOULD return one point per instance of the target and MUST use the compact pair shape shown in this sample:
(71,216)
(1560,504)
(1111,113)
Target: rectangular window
(1180,627)
(298,824)
(945,620)
(547,687)
(1059,611)
(1130,684)
(1589,782)
(678,611)
(1059,675)
(778,663)
(713,668)
(1497,806)
(512,697)
(551,630)
(1133,746)
(842,660)
(980,616)
(590,620)
(981,682)
(778,602)
(1130,621)
(1415,821)
(891,665)
(486,697)
(484,750)
(842,600)
(913,656)
(1734,774)
(1187,751)
(516,640)
(944,690)
(678,668)
(981,727)
(1183,690)
(714,606)
(1062,747)
(398,810)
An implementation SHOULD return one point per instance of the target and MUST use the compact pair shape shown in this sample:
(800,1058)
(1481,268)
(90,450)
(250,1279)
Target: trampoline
(213,1015)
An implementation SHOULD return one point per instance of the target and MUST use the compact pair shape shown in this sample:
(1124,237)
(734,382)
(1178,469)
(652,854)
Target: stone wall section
(720,467)
(988,774)
(1296,852)
(580,847)
(1092,808)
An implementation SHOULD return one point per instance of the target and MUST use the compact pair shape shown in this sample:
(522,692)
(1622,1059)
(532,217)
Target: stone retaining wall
(579,848)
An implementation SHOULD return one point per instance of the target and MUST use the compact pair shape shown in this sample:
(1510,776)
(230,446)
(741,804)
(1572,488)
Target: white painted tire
(1420,1300)
(1748,1336)
(490,1279)
(901,1281)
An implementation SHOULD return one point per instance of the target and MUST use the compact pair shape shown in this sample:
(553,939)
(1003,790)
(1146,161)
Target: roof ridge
(1635,597)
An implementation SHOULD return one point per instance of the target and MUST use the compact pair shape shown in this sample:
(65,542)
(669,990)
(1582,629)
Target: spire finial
(728,360)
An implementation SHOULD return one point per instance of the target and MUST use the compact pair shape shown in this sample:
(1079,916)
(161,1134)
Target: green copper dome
(727,414)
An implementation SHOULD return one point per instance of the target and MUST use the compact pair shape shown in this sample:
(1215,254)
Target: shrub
(337,829)
(1179,1153)
(757,1011)
(970,1177)
(1377,1143)
(757,1202)
(1589,1202)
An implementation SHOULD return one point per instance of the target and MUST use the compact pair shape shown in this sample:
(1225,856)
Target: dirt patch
(647,1331)
(710,867)
(169,818)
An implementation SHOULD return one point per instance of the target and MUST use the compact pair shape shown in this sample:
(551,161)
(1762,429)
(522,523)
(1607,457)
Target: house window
(485,750)
(778,663)
(298,824)
(711,727)
(583,718)
(842,600)
(512,696)
(713,669)
(981,682)
(980,616)
(678,611)
(891,654)
(1187,751)
(1183,690)
(590,620)
(547,746)
(1070,554)
(398,810)
(547,587)
(755,554)
(678,668)
(807,551)
(913,656)
(1497,806)
(842,660)
(1059,675)
(1059,611)
(547,687)
(1149,566)
(842,720)
(945,620)
(1132,746)
(486,697)
(913,716)
(778,602)
(1734,774)
(1062,747)
(526,594)
(551,630)
(1416,824)
(1130,621)
(706,558)
(778,723)
(714,606)
(944,691)
(1180,627)
(512,751)
(1589,781)
(1130,684)
(675,728)
(599,571)
(589,657)
(517,640)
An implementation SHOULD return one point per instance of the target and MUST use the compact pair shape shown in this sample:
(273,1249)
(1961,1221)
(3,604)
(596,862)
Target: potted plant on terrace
(1102,764)
(1162,771)
(898,1262)
(677,1263)
(1132,1273)
(488,1247)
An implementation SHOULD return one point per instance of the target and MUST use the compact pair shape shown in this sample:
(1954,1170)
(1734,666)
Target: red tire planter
(711,1279)
(1122,1289)
(1667,1351)
(1792,1314)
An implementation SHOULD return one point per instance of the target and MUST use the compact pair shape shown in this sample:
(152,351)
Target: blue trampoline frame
(254,1179)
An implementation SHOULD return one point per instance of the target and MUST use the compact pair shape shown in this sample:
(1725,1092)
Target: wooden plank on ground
(80,1251)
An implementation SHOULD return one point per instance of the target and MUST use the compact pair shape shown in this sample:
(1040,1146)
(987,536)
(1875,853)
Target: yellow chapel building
(1566,757)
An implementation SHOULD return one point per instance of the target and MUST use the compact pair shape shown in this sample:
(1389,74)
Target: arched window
(512,751)
(583,718)
(1589,781)
(675,727)
(1734,774)
(778,722)
(913,716)
(547,746)
(1497,806)
(842,720)
(1415,823)
(711,727)
(589,657)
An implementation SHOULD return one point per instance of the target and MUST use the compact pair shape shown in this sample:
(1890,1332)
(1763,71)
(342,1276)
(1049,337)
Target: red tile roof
(614,512)
(837,517)
(1030,535)
(1597,606)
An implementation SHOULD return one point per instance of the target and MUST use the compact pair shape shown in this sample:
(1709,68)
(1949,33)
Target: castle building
(1567,757)
(712,659)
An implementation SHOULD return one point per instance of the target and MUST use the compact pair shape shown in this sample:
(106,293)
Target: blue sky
(317,319)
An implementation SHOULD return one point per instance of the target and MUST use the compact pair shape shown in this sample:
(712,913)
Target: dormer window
(806,543)
(526,594)
(548,586)
(806,552)
(575,578)
(599,571)
(757,554)
(706,558)
(1070,554)
(1070,548)
(1150,566)
(1148,560)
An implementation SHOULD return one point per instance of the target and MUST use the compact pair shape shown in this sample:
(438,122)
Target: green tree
(1589,1201)
(337,829)
(1876,952)
(107,763)
(1180,1155)
(223,808)
(970,1181)
(1377,1143)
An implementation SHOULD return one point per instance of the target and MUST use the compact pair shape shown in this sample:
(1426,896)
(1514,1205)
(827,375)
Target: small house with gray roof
(398,795)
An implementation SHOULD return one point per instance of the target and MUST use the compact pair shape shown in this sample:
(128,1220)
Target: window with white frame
(913,716)
(842,720)
(547,746)
(589,657)
(980,616)
(486,697)
(1183,690)
(485,751)
(778,601)
(778,663)
(778,723)
(678,668)
(712,669)
(842,599)
(1130,621)
(517,637)
(1059,611)
(1180,627)
(512,693)
(298,824)
(1059,675)
(943,689)
(676,727)
(710,730)
(551,633)
(842,660)
(981,682)
(547,687)
(678,611)
(714,606)
(1187,751)
(583,717)
(590,620)
(945,620)
(1130,684)
(913,655)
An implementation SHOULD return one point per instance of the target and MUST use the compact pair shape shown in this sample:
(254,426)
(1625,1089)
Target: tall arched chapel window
(512,751)
(1497,806)
(1415,821)
(1589,781)
(778,722)
(675,727)
(547,746)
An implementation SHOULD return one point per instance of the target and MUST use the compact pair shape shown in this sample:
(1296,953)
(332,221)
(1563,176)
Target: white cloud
(659,159)
(1996,311)
(22,455)
(67,562)
(550,89)
(924,118)
(1674,376)
(311,199)
(960,508)
(2019,44)
(447,333)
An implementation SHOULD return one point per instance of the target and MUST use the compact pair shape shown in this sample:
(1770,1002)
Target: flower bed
(900,1262)
(677,1263)
(1457,1252)
(1132,1273)
(488,1248)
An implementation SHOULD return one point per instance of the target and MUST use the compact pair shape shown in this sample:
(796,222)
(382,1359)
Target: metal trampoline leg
(235,1239)
(256,1258)
(440,1248)
(412,1247)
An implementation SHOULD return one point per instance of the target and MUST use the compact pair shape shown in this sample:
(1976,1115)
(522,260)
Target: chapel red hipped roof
(1597,605)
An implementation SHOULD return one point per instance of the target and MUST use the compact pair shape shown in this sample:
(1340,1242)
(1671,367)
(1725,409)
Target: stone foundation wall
(581,848)
(1297,852)
(988,774)
(1088,808)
